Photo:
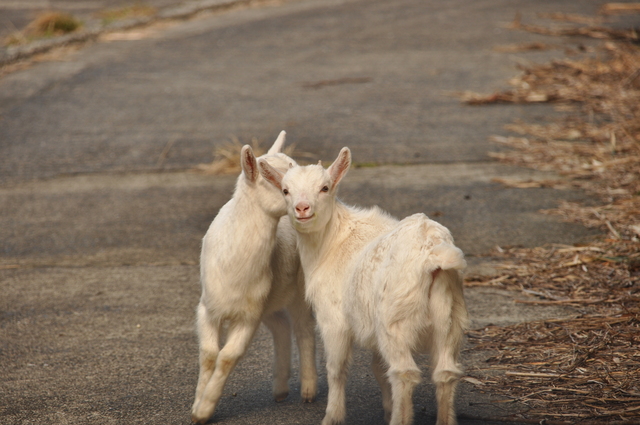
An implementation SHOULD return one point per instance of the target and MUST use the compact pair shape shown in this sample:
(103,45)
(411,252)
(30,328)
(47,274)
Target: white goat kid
(250,272)
(393,287)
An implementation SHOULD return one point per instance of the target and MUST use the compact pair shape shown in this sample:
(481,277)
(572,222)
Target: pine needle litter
(584,369)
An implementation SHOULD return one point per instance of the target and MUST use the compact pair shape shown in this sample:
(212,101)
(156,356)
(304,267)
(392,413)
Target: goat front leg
(304,330)
(380,372)
(337,345)
(280,327)
(238,340)
(209,338)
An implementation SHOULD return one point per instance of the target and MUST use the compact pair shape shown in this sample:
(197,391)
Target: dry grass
(226,157)
(586,368)
(134,11)
(46,24)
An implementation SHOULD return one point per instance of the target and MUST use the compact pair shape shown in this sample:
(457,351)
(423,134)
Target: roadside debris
(585,368)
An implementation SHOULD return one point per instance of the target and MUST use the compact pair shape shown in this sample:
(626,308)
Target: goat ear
(277,145)
(270,174)
(249,164)
(340,166)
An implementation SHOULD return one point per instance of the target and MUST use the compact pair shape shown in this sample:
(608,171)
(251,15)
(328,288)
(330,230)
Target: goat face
(309,197)
(309,191)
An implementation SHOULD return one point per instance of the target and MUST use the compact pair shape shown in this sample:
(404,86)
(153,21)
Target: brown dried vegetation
(46,24)
(226,156)
(586,368)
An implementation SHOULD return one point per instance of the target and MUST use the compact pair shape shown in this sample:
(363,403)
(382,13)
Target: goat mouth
(305,219)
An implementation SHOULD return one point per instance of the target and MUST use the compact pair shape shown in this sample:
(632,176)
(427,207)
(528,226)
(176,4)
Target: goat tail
(448,310)
(447,256)
(444,264)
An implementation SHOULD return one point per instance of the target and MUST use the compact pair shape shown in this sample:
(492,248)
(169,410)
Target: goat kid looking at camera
(394,287)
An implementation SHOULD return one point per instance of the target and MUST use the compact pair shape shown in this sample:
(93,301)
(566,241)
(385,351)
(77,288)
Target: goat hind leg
(445,392)
(403,377)
(446,338)
(380,371)
(445,375)
(403,374)
(280,327)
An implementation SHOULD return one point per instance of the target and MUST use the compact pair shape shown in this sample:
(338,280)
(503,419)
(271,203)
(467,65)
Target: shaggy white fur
(392,286)
(250,273)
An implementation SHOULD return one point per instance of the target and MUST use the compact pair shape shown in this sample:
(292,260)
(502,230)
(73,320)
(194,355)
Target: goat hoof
(197,420)
(331,421)
(308,399)
(279,397)
(199,417)
(308,393)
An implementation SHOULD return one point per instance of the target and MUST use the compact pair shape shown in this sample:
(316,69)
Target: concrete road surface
(101,214)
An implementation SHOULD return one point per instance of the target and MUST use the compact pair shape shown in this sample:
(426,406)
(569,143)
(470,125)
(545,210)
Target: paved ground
(101,216)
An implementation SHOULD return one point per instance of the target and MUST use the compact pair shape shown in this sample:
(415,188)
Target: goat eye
(325,188)
(285,191)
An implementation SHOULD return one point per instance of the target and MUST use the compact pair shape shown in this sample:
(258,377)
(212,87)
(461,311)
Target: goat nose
(302,207)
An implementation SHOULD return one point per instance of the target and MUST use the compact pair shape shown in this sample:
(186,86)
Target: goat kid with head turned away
(250,273)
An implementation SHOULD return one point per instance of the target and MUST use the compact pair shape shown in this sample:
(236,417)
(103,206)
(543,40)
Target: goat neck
(314,246)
